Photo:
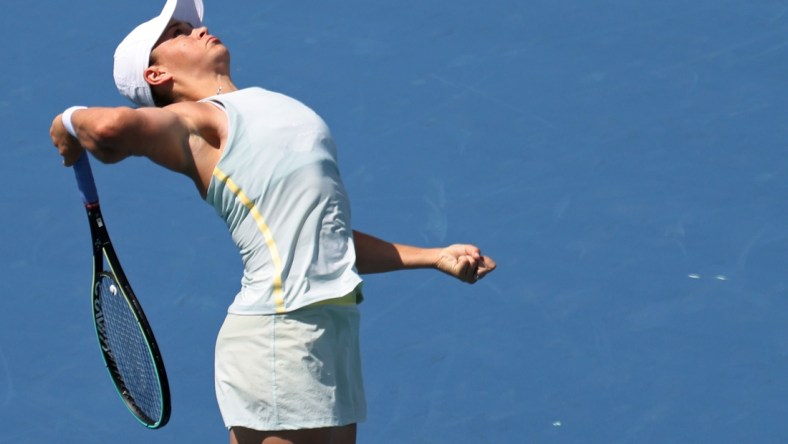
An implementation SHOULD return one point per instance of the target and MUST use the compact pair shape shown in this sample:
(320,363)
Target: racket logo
(99,319)
(101,331)
(97,306)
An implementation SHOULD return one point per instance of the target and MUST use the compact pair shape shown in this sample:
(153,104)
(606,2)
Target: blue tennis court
(623,161)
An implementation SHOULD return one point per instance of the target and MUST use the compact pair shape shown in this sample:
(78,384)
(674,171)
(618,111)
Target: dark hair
(159,99)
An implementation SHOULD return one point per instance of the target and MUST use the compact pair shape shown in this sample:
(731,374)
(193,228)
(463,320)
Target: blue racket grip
(87,187)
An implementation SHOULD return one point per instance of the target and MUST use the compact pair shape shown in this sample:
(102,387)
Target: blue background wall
(622,160)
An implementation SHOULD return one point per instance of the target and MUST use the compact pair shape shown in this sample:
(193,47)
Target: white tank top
(277,186)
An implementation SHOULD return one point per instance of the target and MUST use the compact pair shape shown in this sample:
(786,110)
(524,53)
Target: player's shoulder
(198,114)
(190,109)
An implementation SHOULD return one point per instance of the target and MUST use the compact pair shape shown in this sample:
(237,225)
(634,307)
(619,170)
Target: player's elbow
(110,127)
(109,135)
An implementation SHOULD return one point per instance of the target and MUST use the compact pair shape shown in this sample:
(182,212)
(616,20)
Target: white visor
(132,56)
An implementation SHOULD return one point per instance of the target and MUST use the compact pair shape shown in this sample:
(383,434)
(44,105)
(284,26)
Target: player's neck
(198,89)
(224,85)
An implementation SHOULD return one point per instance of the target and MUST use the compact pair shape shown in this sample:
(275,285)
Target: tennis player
(287,365)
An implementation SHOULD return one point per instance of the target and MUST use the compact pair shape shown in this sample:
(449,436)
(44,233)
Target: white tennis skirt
(299,370)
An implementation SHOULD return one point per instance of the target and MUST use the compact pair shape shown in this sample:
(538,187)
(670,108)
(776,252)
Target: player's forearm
(106,132)
(375,255)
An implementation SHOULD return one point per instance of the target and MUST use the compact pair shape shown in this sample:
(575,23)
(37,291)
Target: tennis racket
(125,338)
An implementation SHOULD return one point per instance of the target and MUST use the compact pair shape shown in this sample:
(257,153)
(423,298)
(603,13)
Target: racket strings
(133,367)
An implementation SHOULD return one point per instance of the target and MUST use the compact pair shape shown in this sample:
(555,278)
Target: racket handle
(87,187)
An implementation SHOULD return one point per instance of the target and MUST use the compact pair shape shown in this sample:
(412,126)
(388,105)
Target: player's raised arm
(112,134)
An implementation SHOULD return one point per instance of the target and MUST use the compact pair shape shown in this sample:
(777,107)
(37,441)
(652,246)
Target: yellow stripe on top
(276,259)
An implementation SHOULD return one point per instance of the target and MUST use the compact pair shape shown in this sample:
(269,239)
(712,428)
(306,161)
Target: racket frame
(104,252)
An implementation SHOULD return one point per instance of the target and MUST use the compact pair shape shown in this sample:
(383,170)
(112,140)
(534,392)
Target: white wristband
(66,118)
